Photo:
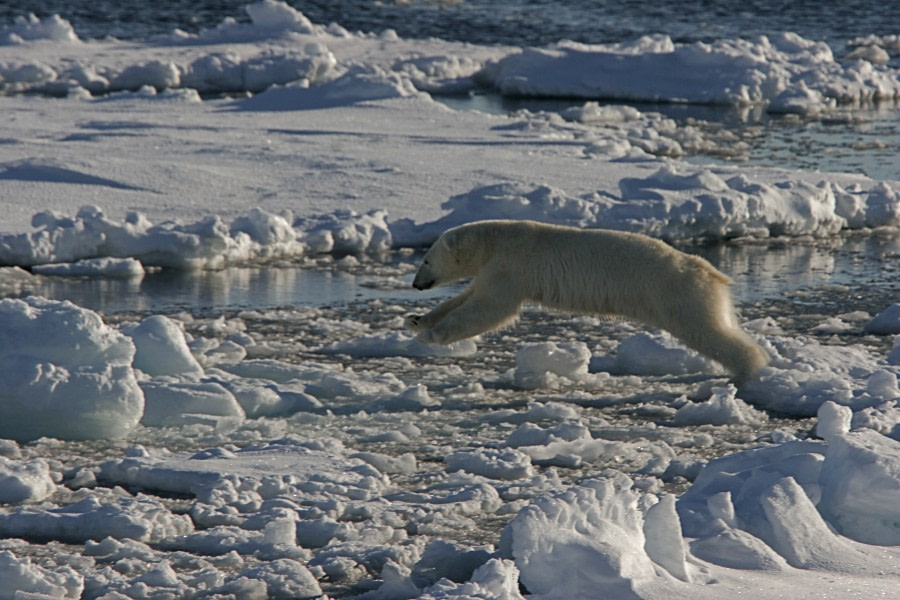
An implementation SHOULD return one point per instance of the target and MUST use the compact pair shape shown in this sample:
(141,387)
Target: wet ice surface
(458,447)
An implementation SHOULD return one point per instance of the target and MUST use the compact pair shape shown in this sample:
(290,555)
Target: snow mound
(64,373)
(767,70)
(601,534)
(677,203)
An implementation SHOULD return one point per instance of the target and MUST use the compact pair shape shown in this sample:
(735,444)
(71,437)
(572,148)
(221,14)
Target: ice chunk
(64,373)
(804,374)
(282,467)
(544,364)
(497,579)
(25,481)
(656,353)
(95,518)
(834,420)
(396,343)
(94,267)
(886,322)
(722,408)
(177,403)
(30,28)
(590,537)
(285,579)
(489,462)
(161,348)
(23,579)
(860,486)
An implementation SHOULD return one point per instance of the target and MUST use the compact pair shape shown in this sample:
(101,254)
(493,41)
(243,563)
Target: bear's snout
(422,285)
(423,280)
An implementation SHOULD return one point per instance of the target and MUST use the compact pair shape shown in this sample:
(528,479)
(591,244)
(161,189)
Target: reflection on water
(235,288)
(866,265)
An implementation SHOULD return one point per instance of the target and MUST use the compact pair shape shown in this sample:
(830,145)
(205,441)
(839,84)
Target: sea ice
(885,323)
(64,373)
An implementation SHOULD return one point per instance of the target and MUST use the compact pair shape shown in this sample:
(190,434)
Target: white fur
(583,271)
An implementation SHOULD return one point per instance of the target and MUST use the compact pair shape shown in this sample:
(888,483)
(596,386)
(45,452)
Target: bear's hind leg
(732,347)
(704,319)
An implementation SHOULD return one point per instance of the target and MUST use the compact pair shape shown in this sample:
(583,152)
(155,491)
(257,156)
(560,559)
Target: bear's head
(454,256)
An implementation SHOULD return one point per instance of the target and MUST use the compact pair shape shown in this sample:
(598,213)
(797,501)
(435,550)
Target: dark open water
(515,22)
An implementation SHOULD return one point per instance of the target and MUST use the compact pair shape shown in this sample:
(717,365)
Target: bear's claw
(413,322)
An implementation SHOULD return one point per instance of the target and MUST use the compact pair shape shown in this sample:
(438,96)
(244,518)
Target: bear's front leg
(478,314)
(420,323)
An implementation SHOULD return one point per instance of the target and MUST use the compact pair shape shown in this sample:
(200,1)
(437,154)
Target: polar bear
(590,271)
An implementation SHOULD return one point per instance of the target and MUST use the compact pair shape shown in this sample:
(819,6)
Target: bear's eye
(426,262)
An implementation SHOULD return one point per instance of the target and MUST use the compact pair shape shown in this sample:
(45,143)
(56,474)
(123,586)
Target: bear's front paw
(414,323)
(427,337)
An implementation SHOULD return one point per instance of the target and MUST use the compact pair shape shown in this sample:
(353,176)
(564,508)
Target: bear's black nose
(423,285)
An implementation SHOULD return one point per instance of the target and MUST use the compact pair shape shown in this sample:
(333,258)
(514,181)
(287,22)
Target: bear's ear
(453,242)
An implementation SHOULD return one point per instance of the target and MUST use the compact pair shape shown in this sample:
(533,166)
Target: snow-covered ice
(320,451)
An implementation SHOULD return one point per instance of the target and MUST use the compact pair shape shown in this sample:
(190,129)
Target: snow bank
(210,243)
(281,46)
(678,202)
(675,203)
(785,72)
(256,56)
(64,373)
